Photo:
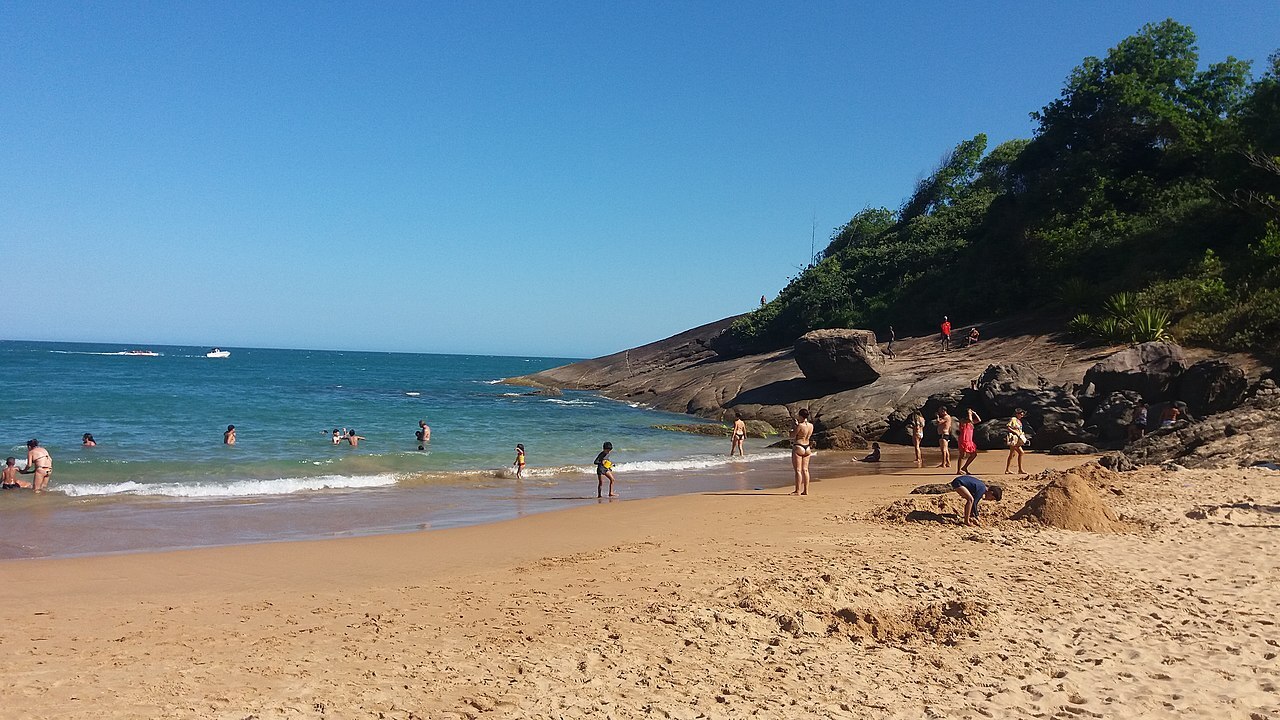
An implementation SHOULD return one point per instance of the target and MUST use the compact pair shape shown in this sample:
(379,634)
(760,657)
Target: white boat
(217,353)
(142,353)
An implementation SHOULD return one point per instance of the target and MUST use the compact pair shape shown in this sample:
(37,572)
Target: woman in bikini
(915,426)
(739,434)
(40,464)
(800,451)
(1015,438)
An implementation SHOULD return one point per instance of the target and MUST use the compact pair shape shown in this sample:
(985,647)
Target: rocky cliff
(682,374)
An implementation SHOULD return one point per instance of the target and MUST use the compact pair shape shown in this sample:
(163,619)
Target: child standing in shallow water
(604,469)
(9,477)
(519,463)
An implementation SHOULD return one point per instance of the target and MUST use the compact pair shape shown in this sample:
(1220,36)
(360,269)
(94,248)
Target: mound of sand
(1070,502)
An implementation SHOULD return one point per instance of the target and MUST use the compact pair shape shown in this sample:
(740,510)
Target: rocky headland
(1078,398)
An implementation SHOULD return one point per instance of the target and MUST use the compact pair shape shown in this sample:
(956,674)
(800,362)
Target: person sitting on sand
(519,463)
(353,439)
(800,451)
(604,469)
(944,436)
(1016,438)
(88,441)
(968,448)
(874,455)
(739,435)
(229,437)
(39,464)
(974,491)
(9,476)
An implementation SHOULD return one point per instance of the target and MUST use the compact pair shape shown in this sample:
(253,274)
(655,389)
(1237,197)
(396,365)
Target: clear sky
(517,178)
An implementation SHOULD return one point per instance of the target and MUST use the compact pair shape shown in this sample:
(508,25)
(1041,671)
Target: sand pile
(1070,502)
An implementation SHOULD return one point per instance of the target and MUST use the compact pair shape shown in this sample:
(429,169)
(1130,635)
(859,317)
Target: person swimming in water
(801,450)
(229,437)
(88,441)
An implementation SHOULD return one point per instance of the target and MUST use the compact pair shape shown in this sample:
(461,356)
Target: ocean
(161,477)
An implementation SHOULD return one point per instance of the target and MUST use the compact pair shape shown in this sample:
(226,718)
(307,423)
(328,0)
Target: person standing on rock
(739,435)
(888,349)
(968,448)
(800,451)
(946,333)
(915,426)
(943,424)
(1016,438)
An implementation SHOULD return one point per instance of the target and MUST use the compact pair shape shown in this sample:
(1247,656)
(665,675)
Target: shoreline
(718,604)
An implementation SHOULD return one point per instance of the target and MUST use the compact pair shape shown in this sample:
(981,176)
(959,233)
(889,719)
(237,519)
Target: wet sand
(719,605)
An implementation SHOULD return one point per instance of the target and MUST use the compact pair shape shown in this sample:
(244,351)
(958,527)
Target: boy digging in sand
(604,469)
(974,491)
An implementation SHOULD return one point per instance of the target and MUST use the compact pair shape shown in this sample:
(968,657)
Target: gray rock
(848,357)
(1112,416)
(1000,380)
(1074,449)
(1150,368)
(1054,415)
(838,438)
(932,489)
(1117,461)
(1211,386)
(1233,438)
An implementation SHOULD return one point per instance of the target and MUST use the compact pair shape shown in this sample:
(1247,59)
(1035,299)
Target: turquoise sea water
(161,477)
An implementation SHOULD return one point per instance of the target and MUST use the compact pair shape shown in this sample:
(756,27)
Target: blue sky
(563,179)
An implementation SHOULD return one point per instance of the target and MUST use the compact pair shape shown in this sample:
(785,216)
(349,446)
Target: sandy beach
(726,605)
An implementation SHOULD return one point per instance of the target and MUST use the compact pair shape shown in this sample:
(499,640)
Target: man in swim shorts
(9,476)
(944,436)
(974,491)
(40,464)
(739,434)
(946,333)
(604,469)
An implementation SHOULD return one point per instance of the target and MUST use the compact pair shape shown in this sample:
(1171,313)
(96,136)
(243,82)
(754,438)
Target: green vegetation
(1147,204)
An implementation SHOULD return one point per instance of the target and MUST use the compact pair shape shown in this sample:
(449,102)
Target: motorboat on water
(142,353)
(218,353)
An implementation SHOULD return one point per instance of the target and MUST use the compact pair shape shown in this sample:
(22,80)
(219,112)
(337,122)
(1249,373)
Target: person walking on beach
(943,424)
(39,464)
(739,435)
(1016,438)
(915,426)
(974,491)
(800,451)
(229,437)
(968,448)
(9,476)
(88,441)
(353,439)
(604,469)
(519,463)
(946,333)
(888,349)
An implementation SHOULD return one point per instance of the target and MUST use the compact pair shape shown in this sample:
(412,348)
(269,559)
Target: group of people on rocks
(971,338)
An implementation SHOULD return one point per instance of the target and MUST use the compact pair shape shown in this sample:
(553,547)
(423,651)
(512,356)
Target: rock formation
(1150,368)
(848,357)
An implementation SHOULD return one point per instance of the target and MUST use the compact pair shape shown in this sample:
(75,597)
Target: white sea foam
(230,489)
(695,463)
(492,382)
(557,401)
(510,394)
(413,394)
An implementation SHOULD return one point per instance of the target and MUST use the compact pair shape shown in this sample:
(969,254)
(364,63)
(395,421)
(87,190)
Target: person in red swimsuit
(968,448)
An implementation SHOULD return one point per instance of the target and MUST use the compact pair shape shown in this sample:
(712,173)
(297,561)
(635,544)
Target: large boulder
(1233,438)
(849,357)
(991,434)
(1151,369)
(1112,416)
(1000,380)
(1074,449)
(1054,415)
(838,438)
(1211,386)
